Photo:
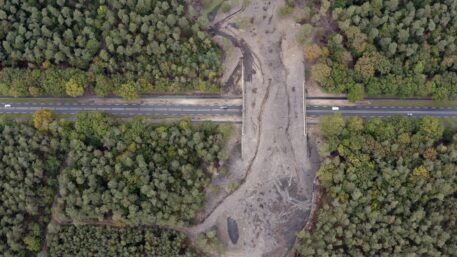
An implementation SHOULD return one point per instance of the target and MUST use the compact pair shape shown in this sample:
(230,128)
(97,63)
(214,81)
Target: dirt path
(272,204)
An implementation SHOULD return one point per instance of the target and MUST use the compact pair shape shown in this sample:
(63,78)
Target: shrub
(305,34)
(356,92)
(233,186)
(42,119)
(103,85)
(320,72)
(313,52)
(285,10)
(128,91)
(72,88)
(226,7)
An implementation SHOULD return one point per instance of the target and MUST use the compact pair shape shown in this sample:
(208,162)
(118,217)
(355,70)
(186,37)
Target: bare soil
(273,202)
(231,80)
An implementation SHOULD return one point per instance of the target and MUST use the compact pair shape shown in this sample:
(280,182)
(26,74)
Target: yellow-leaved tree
(42,119)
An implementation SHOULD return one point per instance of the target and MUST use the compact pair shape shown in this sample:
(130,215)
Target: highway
(160,110)
(383,111)
(124,109)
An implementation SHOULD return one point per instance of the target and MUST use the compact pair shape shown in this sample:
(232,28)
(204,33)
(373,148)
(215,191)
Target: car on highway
(409,114)
(7,105)
(335,108)
(223,107)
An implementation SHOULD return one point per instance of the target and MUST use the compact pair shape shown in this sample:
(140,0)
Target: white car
(223,107)
(409,114)
(7,105)
(335,108)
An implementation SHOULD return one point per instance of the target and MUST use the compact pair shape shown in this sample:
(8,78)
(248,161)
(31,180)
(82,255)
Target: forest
(30,161)
(103,241)
(108,172)
(389,189)
(385,48)
(100,170)
(126,48)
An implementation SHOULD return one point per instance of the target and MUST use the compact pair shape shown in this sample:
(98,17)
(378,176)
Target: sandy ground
(231,58)
(273,203)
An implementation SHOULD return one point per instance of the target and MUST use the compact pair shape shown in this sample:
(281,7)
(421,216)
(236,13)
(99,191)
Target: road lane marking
(175,109)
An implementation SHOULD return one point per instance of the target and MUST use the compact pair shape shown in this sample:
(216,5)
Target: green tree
(332,125)
(103,85)
(32,243)
(430,127)
(441,94)
(355,92)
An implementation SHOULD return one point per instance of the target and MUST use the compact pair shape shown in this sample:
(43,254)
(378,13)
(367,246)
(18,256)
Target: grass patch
(16,115)
(307,74)
(38,100)
(233,186)
(214,188)
(226,7)
(412,103)
(285,11)
(243,23)
(226,130)
(210,6)
(246,2)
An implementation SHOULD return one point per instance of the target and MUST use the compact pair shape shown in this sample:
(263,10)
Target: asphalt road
(383,111)
(124,109)
(229,110)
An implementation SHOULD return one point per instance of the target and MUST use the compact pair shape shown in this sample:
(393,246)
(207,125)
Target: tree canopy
(103,241)
(29,163)
(390,190)
(99,169)
(391,47)
(120,40)
(136,173)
